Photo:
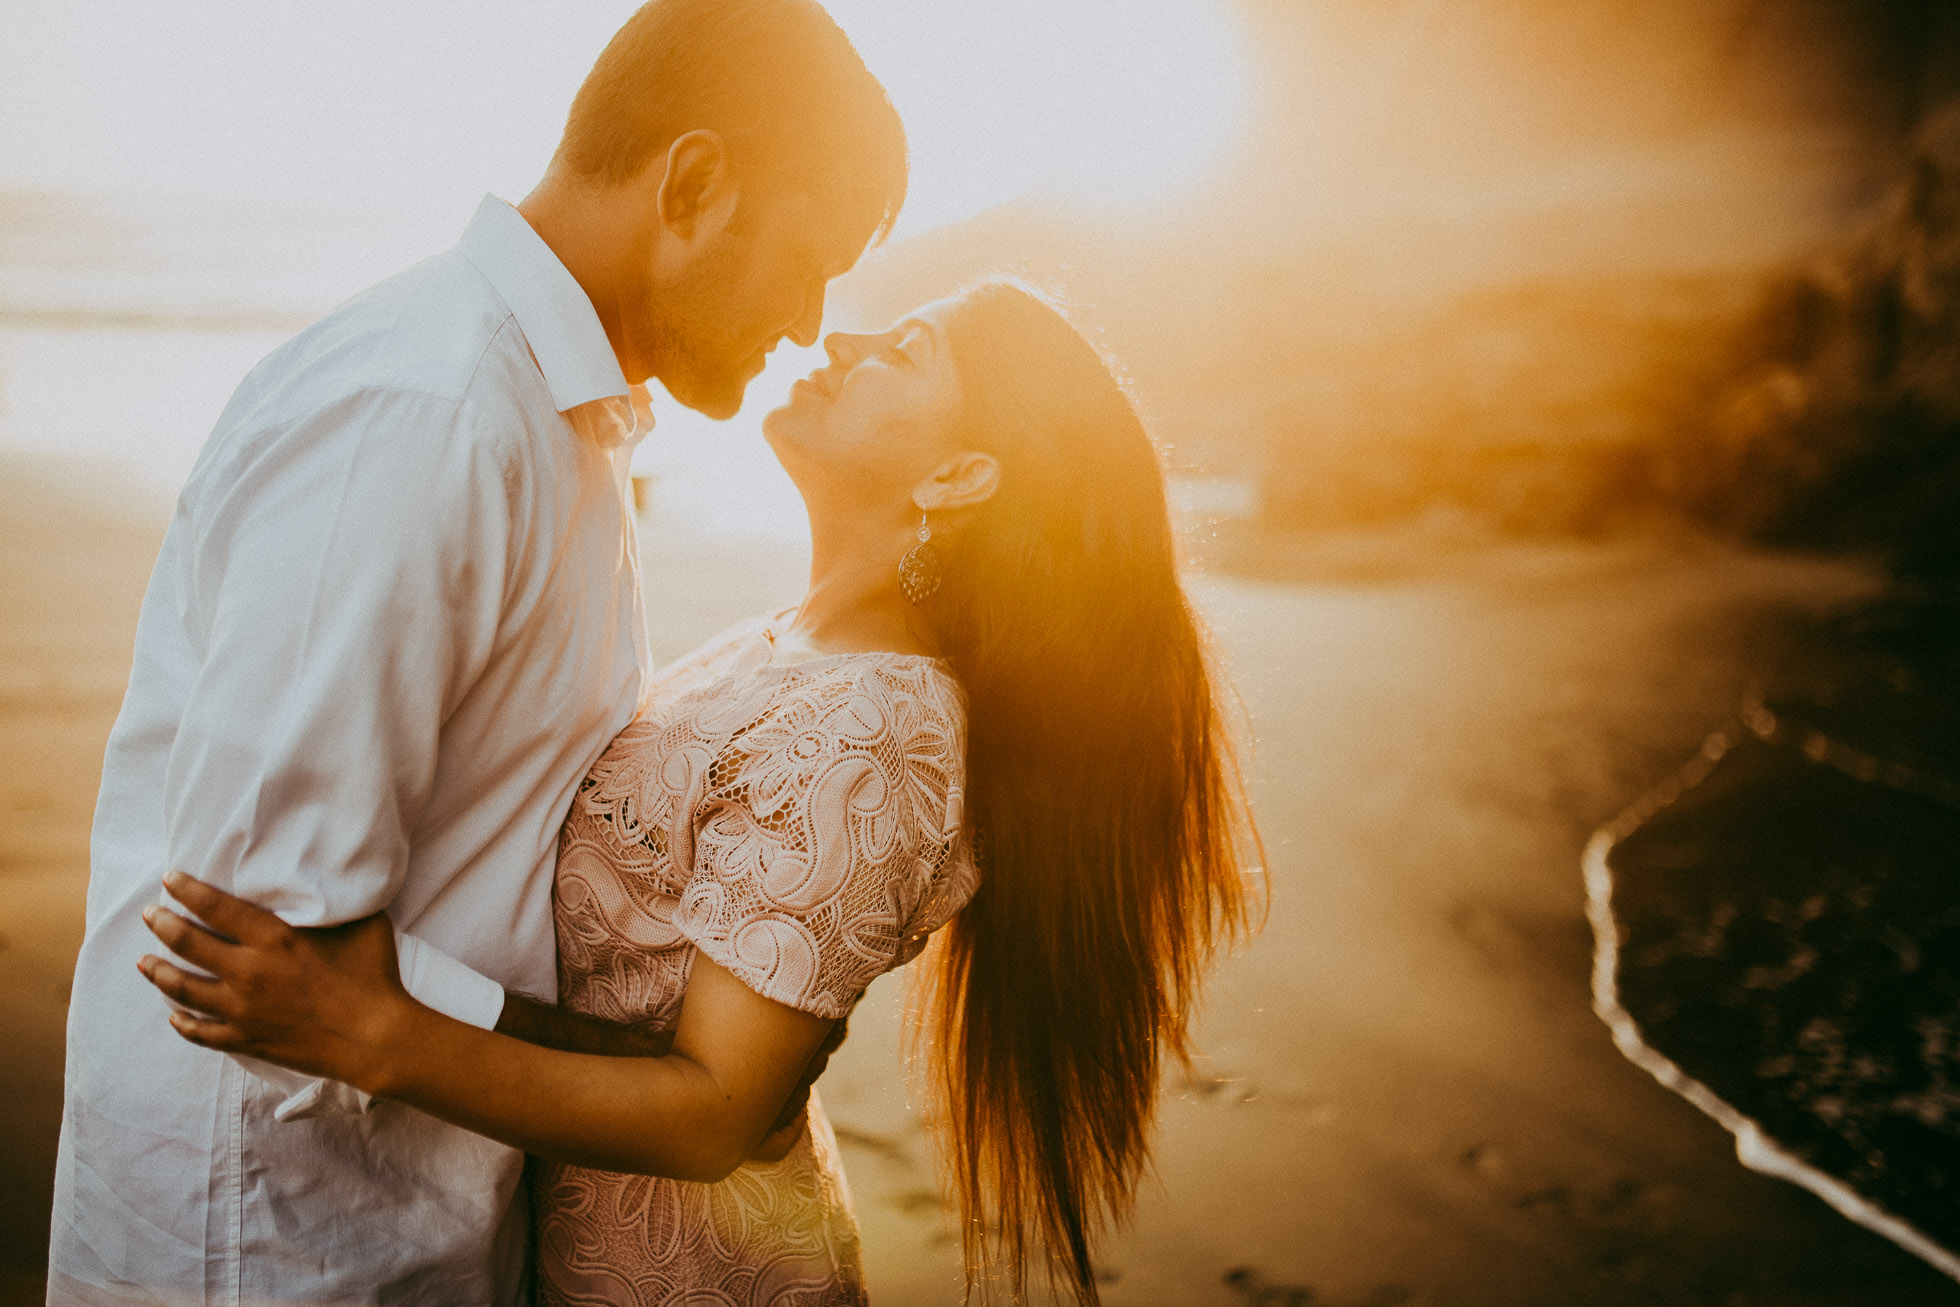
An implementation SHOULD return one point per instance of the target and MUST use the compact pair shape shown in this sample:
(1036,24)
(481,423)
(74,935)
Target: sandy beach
(1405,1097)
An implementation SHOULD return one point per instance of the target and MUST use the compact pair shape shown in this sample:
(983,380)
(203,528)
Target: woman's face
(860,433)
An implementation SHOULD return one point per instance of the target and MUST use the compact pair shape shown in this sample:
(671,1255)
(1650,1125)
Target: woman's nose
(844,348)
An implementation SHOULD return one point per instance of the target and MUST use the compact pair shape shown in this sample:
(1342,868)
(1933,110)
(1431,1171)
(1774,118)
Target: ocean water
(125,325)
(1779,936)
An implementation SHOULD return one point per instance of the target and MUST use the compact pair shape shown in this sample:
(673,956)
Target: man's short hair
(778,79)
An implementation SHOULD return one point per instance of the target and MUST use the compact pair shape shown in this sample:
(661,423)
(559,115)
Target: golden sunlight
(1557,405)
(1088,100)
(413,111)
(387,123)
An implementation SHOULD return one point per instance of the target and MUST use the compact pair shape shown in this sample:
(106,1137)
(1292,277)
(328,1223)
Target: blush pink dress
(800,824)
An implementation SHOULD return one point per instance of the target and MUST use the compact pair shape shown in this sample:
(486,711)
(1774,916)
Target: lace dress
(800,823)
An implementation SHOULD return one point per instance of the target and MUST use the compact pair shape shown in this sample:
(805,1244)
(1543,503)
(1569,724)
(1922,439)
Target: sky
(416,109)
(373,127)
(1409,147)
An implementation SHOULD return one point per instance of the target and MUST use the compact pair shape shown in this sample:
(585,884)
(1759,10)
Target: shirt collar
(613,420)
(551,308)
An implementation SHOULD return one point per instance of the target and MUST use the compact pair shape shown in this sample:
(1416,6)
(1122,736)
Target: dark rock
(1788,927)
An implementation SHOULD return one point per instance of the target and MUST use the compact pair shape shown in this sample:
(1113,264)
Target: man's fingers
(799,1097)
(782,1137)
(225,913)
(207,1032)
(190,941)
(205,995)
(641,1042)
(792,1108)
(821,1058)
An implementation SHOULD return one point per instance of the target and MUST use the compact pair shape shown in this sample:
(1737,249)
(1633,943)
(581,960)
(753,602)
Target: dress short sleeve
(830,838)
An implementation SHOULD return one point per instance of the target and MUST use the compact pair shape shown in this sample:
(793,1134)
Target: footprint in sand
(869,1141)
(1253,1288)
(1487,1162)
(1211,1086)
(1256,1289)
(1615,1202)
(1619,1218)
(1505,939)
(913,1202)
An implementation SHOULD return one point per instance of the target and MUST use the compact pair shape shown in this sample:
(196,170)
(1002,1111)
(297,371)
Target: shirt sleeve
(825,826)
(348,575)
(435,979)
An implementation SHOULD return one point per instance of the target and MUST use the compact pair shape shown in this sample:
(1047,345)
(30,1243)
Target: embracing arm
(540,1023)
(537,1022)
(330,1003)
(695,1114)
(344,587)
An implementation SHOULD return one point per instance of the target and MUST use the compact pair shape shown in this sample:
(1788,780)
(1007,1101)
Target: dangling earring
(918,571)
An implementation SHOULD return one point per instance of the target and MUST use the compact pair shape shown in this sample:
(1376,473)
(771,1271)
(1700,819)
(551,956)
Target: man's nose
(810,322)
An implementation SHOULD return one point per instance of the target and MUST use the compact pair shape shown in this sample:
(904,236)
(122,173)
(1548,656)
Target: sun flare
(394,119)
(1089,100)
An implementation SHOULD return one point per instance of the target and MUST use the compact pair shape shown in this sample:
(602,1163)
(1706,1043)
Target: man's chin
(720,410)
(718,400)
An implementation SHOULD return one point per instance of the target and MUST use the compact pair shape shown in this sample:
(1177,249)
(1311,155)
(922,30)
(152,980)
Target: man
(396,618)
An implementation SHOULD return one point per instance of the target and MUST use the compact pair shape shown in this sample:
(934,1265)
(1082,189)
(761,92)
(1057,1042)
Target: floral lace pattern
(801,824)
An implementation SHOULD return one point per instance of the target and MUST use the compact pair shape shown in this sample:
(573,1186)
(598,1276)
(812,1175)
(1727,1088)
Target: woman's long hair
(1115,848)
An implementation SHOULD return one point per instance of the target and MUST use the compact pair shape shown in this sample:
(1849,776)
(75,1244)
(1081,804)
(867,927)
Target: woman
(990,717)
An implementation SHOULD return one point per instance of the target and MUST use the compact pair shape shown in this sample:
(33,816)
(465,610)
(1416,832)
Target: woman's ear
(697,186)
(960,482)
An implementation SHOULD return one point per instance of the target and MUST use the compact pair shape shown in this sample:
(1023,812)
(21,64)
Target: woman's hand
(322,1000)
(329,1002)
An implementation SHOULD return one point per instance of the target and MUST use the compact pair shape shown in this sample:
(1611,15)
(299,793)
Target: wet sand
(1405,1096)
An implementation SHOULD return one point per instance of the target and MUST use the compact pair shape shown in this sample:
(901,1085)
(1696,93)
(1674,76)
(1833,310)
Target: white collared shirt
(395,619)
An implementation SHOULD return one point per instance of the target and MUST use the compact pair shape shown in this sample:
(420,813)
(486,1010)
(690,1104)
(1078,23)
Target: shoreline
(1755,1148)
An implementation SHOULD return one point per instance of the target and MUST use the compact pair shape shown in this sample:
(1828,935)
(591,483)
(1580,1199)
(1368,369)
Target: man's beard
(704,378)
(715,392)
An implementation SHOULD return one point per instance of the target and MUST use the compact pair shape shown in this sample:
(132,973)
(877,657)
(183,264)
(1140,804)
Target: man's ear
(960,482)
(698,184)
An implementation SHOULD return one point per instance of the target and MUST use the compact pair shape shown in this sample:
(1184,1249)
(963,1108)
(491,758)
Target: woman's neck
(853,604)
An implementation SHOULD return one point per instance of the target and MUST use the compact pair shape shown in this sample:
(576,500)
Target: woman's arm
(537,1022)
(330,1002)
(695,1114)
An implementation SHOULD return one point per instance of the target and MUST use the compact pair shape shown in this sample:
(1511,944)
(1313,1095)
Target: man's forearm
(540,1023)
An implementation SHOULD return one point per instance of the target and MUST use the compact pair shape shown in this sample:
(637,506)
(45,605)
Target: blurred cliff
(1547,269)
(1834,417)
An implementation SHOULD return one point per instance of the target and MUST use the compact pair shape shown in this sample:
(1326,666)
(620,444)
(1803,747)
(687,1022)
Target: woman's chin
(789,421)
(785,436)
